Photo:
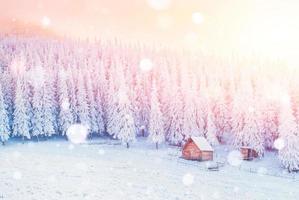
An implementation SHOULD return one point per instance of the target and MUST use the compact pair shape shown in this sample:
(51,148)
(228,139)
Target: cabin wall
(248,154)
(191,151)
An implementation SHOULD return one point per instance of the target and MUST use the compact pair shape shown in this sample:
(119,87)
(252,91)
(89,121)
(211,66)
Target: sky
(261,27)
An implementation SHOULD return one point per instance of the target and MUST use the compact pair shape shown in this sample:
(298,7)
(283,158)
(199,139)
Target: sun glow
(267,28)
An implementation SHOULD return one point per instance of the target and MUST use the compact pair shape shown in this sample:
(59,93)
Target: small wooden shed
(197,148)
(248,153)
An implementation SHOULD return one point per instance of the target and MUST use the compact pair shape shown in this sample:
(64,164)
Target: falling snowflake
(17,175)
(18,66)
(65,105)
(159,4)
(236,189)
(122,96)
(36,76)
(279,143)
(216,195)
(188,179)
(285,99)
(234,158)
(197,18)
(45,21)
(250,109)
(77,133)
(145,64)
(101,152)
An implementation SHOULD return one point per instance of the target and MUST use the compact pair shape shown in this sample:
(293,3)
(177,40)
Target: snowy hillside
(103,169)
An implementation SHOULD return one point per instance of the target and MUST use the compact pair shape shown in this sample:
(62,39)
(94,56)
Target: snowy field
(103,169)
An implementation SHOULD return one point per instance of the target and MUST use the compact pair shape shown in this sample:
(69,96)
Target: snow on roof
(247,147)
(202,143)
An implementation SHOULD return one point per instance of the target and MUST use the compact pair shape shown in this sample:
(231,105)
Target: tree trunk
(23,139)
(128,145)
(143,134)
(3,143)
(157,145)
(37,138)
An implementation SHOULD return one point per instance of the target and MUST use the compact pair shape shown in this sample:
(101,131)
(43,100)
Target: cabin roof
(202,143)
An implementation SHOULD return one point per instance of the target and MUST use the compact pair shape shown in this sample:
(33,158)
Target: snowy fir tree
(120,121)
(49,114)
(95,121)
(82,102)
(252,135)
(202,110)
(141,105)
(4,121)
(37,120)
(269,124)
(175,132)
(211,130)
(65,119)
(289,133)
(190,127)
(221,115)
(21,123)
(6,79)
(156,126)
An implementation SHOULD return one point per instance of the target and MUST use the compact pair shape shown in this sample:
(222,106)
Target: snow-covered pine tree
(190,127)
(8,93)
(237,120)
(82,102)
(100,113)
(72,93)
(4,121)
(269,124)
(252,131)
(121,122)
(246,124)
(37,120)
(142,103)
(96,121)
(202,109)
(175,132)
(156,125)
(289,133)
(211,129)
(221,115)
(21,123)
(49,105)
(164,89)
(65,119)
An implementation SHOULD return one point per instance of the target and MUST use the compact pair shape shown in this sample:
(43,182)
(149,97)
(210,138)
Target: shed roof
(246,147)
(202,143)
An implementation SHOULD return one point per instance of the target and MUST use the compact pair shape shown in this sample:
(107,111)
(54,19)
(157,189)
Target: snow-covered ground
(103,169)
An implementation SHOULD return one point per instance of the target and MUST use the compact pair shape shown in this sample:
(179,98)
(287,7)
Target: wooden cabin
(248,153)
(197,148)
